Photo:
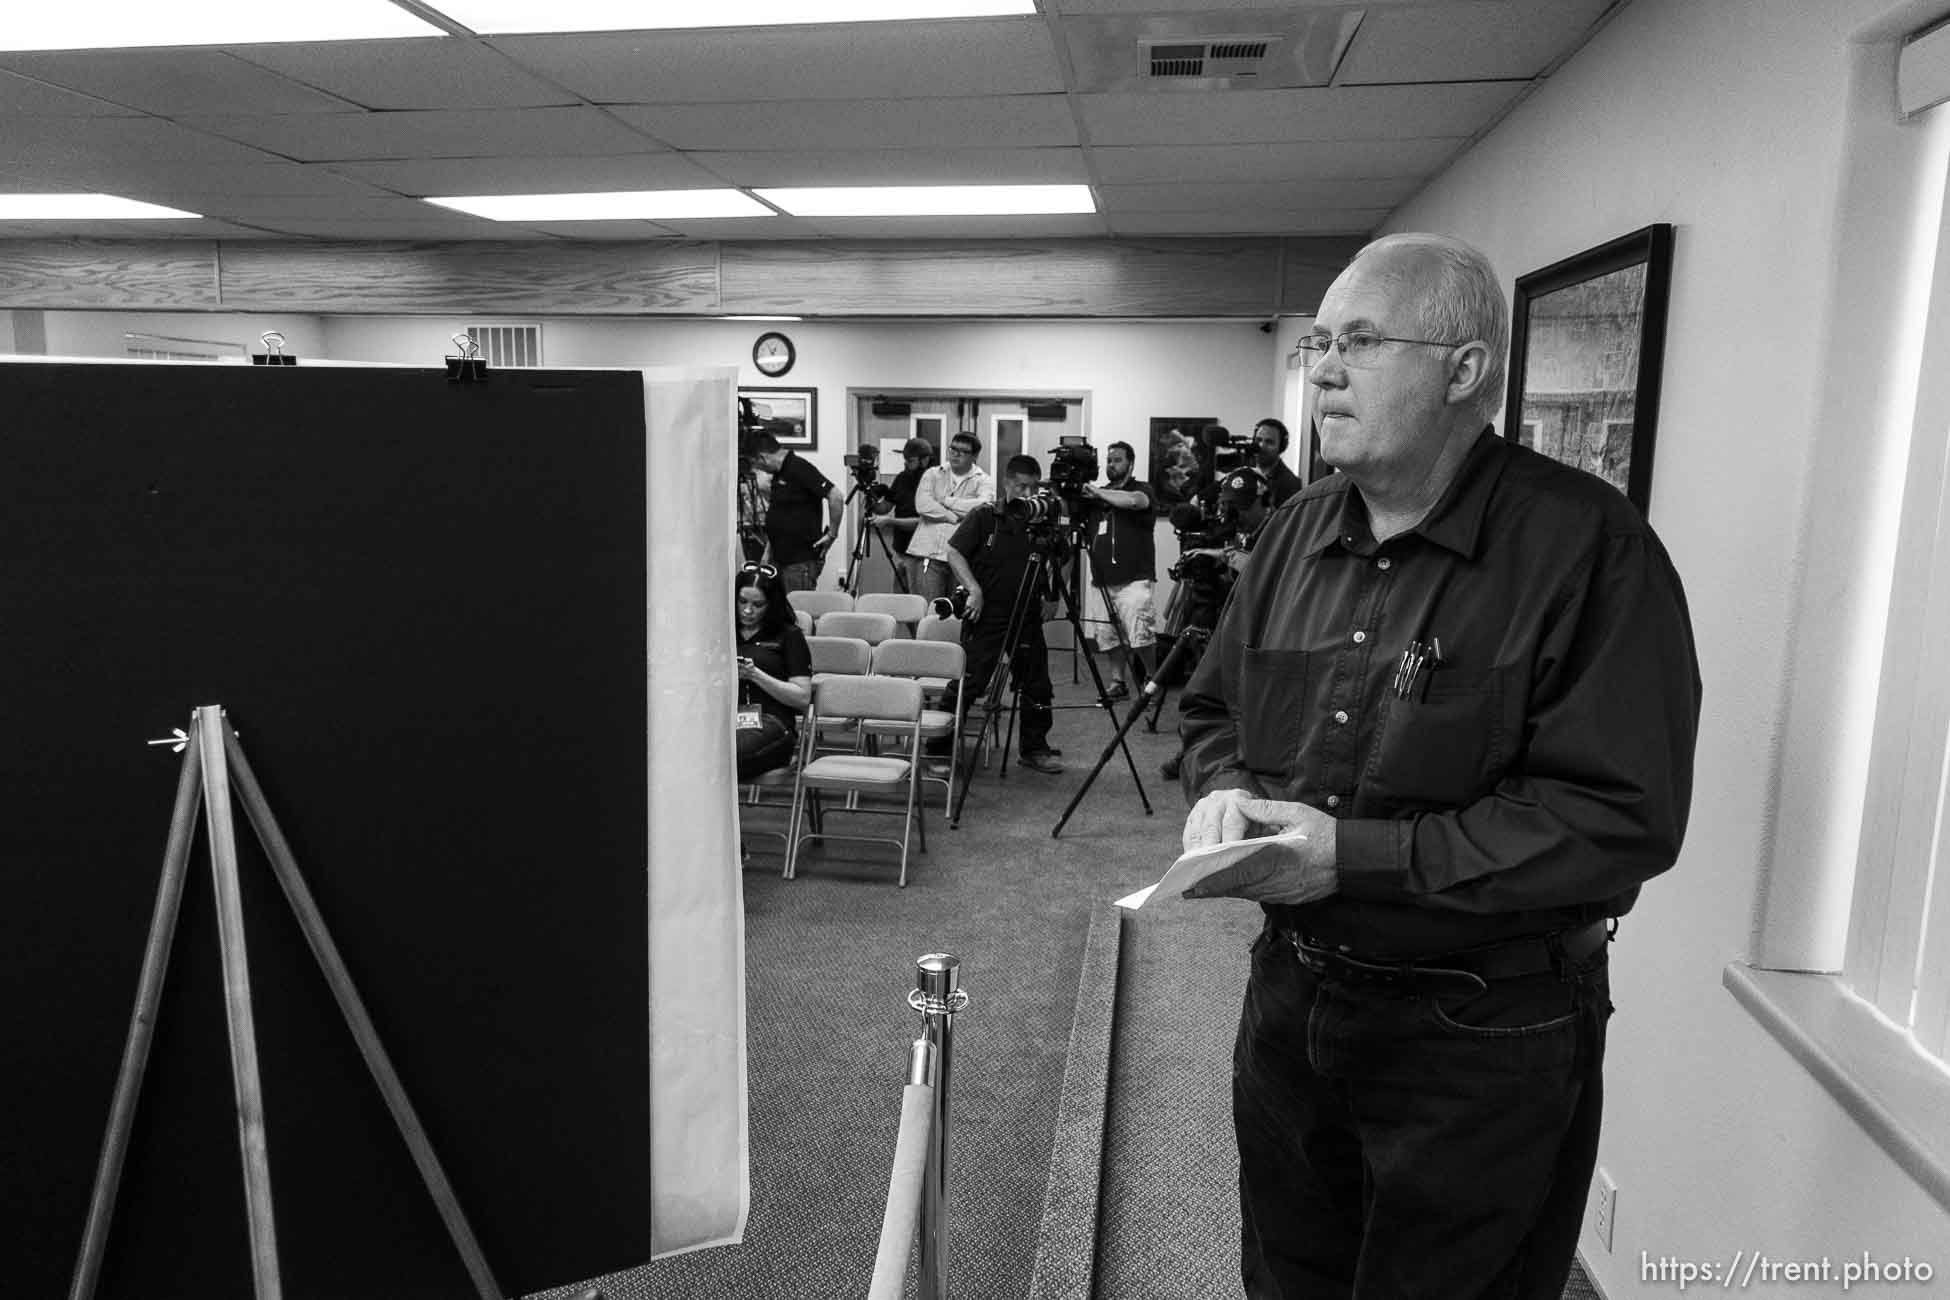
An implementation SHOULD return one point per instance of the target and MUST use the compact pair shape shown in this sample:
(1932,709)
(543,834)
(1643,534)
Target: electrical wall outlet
(1604,1208)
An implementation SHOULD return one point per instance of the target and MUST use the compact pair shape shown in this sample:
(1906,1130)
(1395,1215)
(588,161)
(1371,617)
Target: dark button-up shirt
(1531,780)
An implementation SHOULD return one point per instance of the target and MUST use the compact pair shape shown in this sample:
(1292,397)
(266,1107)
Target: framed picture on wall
(1587,347)
(1181,463)
(788,414)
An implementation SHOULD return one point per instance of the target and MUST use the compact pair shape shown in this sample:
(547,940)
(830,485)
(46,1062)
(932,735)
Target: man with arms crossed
(1461,675)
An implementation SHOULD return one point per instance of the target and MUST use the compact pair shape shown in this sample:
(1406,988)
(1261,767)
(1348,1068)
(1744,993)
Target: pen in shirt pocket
(1419,662)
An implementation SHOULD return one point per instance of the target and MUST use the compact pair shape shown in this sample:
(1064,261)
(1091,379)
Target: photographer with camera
(991,554)
(895,515)
(796,543)
(1123,568)
(945,496)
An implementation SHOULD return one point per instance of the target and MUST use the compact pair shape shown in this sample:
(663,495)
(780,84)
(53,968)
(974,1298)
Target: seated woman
(774,672)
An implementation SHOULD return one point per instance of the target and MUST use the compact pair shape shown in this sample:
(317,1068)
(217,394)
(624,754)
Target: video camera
(1230,451)
(1043,506)
(865,468)
(952,605)
(1072,465)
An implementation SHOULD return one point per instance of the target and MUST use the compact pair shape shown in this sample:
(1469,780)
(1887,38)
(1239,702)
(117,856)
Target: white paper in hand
(1196,864)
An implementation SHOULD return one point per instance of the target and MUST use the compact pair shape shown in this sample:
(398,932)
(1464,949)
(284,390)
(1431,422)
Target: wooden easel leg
(339,979)
(237,1007)
(142,1027)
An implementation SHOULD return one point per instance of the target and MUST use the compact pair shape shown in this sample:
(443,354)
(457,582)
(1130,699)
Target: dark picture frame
(1587,349)
(1181,463)
(789,414)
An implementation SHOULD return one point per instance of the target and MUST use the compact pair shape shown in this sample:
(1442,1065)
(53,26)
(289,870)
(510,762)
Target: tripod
(1044,574)
(865,535)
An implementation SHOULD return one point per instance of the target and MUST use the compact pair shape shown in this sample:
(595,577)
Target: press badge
(1103,526)
(748,719)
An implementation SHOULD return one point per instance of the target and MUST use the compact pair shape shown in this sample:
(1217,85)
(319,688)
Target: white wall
(1725,119)
(1132,370)
(99,333)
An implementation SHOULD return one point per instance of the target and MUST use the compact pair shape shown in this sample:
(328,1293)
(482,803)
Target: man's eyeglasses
(762,570)
(1359,348)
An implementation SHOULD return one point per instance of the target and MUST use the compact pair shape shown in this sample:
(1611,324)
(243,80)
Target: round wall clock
(773,354)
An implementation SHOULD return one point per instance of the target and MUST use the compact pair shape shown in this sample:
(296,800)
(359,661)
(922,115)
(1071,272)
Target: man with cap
(895,516)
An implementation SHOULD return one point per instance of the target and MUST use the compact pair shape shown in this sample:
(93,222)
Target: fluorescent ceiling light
(121,24)
(502,17)
(933,200)
(82,207)
(627,205)
(761,318)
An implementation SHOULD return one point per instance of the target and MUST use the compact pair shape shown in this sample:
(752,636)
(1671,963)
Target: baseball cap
(1239,487)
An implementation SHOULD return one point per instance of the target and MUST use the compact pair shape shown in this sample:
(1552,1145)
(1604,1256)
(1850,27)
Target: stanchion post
(937,996)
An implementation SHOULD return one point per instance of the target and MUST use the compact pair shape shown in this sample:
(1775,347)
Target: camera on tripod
(1072,465)
(952,605)
(1041,507)
(1199,529)
(865,468)
(1230,451)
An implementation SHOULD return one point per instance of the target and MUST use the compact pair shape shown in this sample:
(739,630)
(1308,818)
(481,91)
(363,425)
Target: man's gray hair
(1463,301)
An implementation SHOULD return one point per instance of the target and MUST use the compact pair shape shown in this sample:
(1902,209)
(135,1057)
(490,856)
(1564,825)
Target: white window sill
(1897,1094)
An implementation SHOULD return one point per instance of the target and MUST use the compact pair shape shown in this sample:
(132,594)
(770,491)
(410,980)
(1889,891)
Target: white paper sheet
(1196,865)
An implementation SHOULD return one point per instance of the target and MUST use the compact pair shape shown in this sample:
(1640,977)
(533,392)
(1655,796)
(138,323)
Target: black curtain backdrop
(422,605)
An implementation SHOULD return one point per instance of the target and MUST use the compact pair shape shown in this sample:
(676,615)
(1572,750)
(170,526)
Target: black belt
(1511,959)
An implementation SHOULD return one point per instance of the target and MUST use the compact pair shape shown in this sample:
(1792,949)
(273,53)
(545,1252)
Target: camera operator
(1270,438)
(1123,567)
(945,496)
(990,555)
(894,514)
(1205,570)
(796,543)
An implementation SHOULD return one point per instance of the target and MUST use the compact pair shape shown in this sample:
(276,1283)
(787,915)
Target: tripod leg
(353,1007)
(237,1006)
(1117,742)
(142,1026)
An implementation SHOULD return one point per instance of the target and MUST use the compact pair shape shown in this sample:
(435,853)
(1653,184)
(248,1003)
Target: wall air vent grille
(1224,58)
(508,346)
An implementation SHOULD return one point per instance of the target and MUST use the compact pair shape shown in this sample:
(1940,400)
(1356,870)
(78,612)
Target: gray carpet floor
(829,961)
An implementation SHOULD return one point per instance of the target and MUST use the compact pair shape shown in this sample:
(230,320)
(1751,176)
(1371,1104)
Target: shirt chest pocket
(1269,701)
(1447,745)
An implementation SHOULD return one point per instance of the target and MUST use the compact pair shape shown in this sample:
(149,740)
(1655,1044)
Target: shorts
(1136,615)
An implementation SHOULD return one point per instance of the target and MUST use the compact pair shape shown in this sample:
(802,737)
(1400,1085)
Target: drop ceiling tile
(1252,116)
(201,228)
(899,167)
(164,182)
(1309,160)
(174,82)
(411,231)
(25,97)
(920,59)
(1233,221)
(79,141)
(1020,121)
(1221,196)
(1078,225)
(1175,6)
(743,228)
(345,136)
(409,74)
(1467,40)
(603,230)
(535,175)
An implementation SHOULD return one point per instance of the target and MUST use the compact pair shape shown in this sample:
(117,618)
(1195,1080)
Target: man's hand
(974,607)
(1297,872)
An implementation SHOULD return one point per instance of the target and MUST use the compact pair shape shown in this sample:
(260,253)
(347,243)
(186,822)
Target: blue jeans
(1430,1139)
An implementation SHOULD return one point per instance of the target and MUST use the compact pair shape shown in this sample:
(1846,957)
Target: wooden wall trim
(1256,277)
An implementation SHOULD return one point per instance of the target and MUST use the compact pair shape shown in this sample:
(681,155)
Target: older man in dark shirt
(1460,678)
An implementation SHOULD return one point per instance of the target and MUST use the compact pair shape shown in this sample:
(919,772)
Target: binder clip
(468,367)
(276,356)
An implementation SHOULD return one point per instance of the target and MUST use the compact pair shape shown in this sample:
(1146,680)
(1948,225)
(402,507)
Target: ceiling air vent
(1220,57)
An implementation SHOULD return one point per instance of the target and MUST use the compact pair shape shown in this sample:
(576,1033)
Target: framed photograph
(1181,463)
(1587,347)
(788,414)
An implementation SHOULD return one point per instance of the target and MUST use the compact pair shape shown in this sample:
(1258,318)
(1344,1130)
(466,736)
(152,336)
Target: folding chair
(933,627)
(751,795)
(804,620)
(933,664)
(819,602)
(838,656)
(906,607)
(871,628)
(863,699)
